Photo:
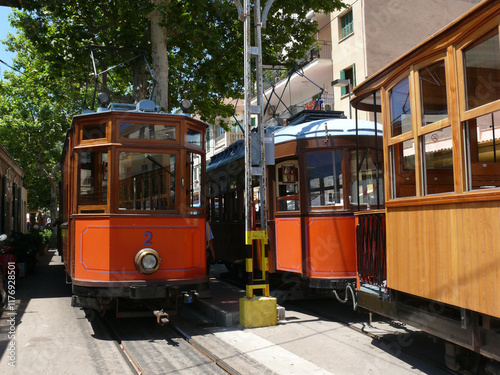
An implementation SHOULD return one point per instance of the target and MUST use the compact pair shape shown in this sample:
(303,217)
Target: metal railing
(372,260)
(325,103)
(322,49)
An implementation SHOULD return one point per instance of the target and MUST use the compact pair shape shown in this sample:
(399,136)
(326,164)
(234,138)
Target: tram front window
(324,178)
(93,175)
(147,181)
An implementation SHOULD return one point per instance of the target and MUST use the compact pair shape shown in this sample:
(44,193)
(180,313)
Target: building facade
(351,44)
(13,201)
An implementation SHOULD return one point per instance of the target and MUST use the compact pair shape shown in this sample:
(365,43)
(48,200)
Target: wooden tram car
(313,194)
(133,222)
(440,268)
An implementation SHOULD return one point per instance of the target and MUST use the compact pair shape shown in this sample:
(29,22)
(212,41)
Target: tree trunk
(160,58)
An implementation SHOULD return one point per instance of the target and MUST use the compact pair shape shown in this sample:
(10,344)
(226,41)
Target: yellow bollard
(258,312)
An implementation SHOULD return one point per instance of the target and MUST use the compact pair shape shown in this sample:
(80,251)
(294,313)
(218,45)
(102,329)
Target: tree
(204,57)
(33,119)
(204,41)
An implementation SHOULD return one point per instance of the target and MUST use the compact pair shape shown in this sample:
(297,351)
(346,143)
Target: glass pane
(147,131)
(93,171)
(433,92)
(147,181)
(438,162)
(403,169)
(193,137)
(482,71)
(399,97)
(94,131)
(324,178)
(195,177)
(483,135)
(287,177)
(368,188)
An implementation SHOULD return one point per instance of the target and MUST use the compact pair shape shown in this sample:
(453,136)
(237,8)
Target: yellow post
(257,311)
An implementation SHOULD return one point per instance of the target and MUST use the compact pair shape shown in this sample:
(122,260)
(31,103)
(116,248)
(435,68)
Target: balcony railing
(322,49)
(224,140)
(325,103)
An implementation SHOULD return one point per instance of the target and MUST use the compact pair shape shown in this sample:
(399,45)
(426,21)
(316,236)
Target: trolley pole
(255,311)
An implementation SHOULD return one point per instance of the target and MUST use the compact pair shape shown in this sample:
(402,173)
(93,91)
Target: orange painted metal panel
(105,248)
(288,245)
(330,247)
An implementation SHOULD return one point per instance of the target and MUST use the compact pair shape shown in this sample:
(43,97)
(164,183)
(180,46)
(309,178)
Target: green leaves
(205,62)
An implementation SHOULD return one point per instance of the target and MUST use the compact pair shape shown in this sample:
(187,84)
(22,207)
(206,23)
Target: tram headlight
(147,261)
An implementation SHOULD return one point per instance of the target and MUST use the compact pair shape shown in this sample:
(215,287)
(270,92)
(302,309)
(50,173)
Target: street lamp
(344,83)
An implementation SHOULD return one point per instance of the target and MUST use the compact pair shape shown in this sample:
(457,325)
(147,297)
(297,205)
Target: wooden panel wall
(449,253)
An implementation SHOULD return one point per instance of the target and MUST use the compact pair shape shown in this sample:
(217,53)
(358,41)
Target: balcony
(218,144)
(320,50)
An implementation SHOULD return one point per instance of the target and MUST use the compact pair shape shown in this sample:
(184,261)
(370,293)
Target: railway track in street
(149,348)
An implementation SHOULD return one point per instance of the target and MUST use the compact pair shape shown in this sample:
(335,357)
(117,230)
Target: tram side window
(403,169)
(324,178)
(483,151)
(93,175)
(94,131)
(193,137)
(400,108)
(437,148)
(433,93)
(482,71)
(287,177)
(194,190)
(147,131)
(146,181)
(368,188)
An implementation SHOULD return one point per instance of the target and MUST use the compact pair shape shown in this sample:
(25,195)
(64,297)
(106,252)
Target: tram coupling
(162,317)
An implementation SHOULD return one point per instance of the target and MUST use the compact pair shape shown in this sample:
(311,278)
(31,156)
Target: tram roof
(144,107)
(311,129)
(434,44)
(334,127)
(234,152)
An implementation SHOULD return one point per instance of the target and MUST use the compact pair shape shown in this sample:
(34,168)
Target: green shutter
(346,24)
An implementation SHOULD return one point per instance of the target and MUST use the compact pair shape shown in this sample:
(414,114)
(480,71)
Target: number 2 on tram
(133,218)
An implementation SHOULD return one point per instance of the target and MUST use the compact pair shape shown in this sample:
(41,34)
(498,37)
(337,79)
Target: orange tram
(133,221)
(436,262)
(314,188)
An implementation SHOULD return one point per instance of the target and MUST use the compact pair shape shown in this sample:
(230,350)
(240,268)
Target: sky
(4,30)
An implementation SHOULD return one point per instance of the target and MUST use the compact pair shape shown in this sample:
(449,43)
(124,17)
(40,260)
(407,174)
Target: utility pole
(255,311)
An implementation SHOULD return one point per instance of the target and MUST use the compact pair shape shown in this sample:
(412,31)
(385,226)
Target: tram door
(288,221)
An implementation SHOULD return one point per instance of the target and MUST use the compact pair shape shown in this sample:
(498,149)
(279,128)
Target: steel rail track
(214,358)
(107,326)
